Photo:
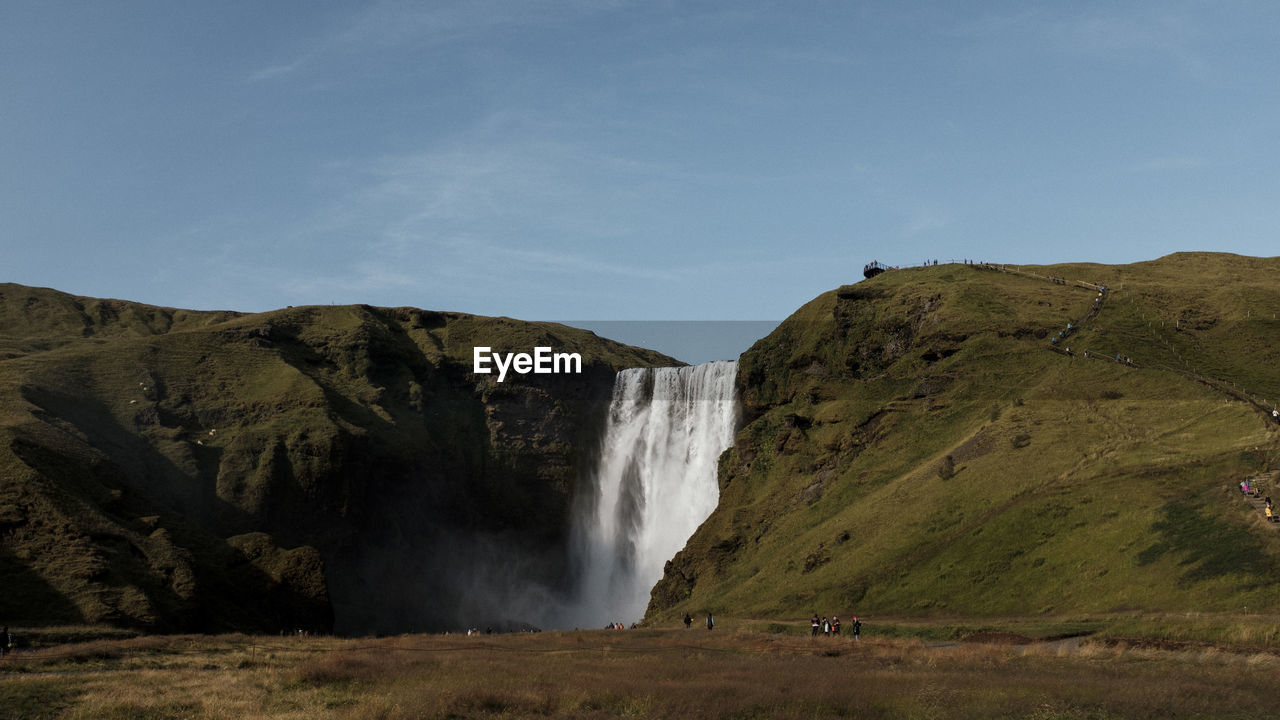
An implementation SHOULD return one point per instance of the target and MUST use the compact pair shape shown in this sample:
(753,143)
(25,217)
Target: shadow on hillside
(193,578)
(28,599)
(1207,546)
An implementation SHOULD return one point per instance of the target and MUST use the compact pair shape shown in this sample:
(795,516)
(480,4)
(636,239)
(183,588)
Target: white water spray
(654,485)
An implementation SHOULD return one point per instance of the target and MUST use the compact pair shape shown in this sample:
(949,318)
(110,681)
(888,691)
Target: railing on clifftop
(873,268)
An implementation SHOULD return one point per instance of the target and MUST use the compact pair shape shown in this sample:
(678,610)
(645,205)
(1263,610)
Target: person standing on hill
(857,627)
(711,622)
(815,623)
(835,625)
(688,621)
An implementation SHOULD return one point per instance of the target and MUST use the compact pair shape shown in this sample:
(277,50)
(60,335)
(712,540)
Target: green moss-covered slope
(915,443)
(309,467)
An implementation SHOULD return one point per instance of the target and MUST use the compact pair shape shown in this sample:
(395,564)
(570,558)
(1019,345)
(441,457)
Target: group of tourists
(832,626)
(1057,340)
(688,621)
(1248,490)
(966,261)
(1063,335)
(1120,359)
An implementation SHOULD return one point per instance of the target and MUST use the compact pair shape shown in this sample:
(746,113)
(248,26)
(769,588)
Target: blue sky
(615,160)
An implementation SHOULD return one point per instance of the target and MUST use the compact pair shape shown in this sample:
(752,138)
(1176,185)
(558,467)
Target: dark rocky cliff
(318,467)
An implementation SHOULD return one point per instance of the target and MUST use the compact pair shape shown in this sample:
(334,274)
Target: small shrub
(947,469)
(816,560)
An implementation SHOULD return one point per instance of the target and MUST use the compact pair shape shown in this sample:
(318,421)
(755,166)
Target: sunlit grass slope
(915,444)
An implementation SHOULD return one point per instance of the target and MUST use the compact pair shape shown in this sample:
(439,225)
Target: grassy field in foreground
(732,672)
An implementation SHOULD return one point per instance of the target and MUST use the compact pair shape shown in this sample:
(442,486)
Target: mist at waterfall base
(652,483)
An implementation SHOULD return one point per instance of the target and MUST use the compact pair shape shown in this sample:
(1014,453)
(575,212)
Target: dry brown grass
(675,674)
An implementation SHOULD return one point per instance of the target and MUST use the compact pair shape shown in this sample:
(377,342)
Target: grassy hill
(918,443)
(308,467)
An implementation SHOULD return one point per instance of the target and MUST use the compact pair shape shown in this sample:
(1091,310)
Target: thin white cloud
(576,264)
(1171,163)
(924,222)
(500,187)
(277,71)
(490,214)
(1111,33)
(1161,32)
(393,24)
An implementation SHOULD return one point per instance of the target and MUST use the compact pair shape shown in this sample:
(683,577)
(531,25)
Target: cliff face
(319,467)
(921,442)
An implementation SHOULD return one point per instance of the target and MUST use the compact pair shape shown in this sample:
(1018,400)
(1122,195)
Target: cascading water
(654,485)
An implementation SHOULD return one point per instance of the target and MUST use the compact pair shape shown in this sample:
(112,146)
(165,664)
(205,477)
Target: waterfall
(654,484)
